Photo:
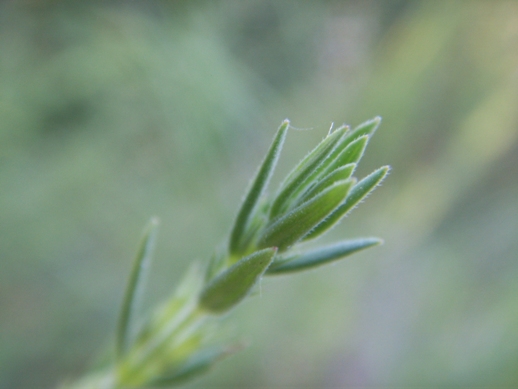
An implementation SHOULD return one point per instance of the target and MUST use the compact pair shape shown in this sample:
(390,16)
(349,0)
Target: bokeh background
(111,112)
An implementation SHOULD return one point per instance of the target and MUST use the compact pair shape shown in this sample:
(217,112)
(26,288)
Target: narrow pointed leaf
(196,365)
(333,160)
(366,128)
(230,287)
(135,286)
(339,144)
(257,188)
(357,193)
(321,256)
(345,152)
(315,153)
(350,154)
(340,174)
(295,181)
(293,226)
(339,156)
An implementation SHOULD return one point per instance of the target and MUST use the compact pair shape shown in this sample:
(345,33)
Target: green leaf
(344,129)
(291,227)
(257,188)
(340,174)
(320,256)
(230,287)
(309,158)
(350,154)
(366,128)
(339,156)
(196,365)
(295,181)
(357,193)
(346,151)
(135,286)
(249,238)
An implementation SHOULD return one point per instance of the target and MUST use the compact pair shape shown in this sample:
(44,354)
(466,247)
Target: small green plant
(176,342)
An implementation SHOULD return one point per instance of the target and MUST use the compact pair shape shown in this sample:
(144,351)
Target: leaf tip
(379,242)
(154,222)
(372,242)
(385,169)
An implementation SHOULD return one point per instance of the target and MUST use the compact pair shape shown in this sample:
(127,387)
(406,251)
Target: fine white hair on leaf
(301,129)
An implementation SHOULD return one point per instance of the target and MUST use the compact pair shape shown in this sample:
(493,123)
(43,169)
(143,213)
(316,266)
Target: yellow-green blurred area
(112,112)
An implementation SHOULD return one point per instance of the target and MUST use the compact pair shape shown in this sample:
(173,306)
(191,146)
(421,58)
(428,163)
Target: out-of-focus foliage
(113,112)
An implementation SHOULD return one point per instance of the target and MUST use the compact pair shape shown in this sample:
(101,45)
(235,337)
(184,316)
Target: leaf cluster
(175,343)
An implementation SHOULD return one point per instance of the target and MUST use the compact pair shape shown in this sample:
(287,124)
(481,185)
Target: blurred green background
(111,112)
